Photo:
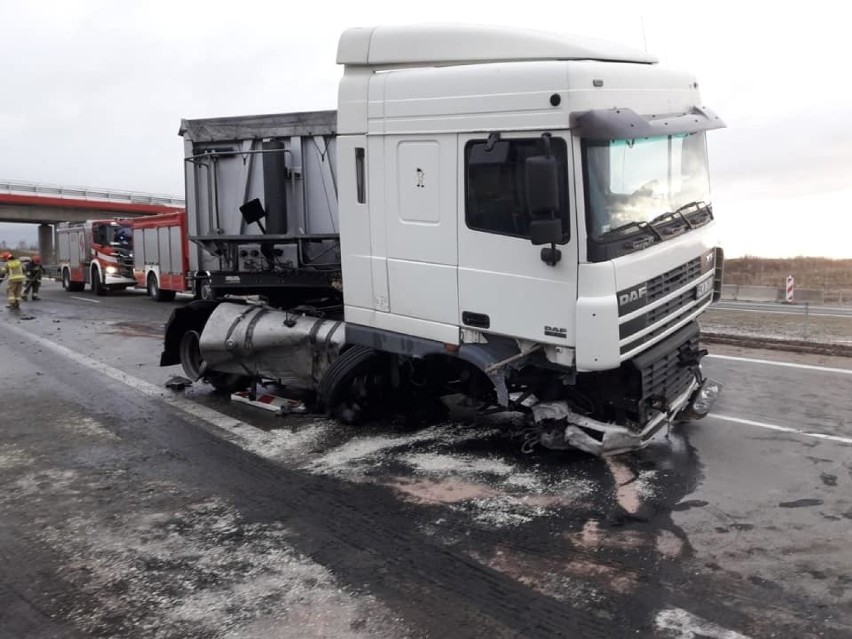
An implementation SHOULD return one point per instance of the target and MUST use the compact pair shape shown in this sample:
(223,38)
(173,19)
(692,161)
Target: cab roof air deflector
(626,124)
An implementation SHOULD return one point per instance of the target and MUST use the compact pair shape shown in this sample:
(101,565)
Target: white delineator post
(790,287)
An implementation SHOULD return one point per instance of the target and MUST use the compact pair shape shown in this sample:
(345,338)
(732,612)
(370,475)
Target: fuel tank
(290,348)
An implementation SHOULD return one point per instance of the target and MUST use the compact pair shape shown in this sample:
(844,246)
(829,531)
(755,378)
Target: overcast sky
(93,91)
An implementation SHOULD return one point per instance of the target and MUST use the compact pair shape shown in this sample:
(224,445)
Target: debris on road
(178,383)
(274,403)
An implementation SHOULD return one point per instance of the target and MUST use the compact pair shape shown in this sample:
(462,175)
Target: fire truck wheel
(68,285)
(97,287)
(156,293)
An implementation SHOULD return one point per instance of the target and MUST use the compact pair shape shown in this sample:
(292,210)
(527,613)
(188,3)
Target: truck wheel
(97,287)
(354,388)
(194,366)
(156,293)
(68,285)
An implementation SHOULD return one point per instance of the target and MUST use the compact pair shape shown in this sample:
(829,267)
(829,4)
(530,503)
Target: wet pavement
(129,510)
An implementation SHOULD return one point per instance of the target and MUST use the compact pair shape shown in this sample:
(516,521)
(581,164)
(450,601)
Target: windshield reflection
(631,182)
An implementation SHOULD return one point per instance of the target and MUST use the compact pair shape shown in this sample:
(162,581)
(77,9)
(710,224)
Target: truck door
(504,285)
(422,243)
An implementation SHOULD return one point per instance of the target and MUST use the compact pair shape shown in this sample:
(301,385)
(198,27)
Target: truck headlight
(111,270)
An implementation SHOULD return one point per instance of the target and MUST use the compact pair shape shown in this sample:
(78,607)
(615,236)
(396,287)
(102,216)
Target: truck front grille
(668,314)
(662,285)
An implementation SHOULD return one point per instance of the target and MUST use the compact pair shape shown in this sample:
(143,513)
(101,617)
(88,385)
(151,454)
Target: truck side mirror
(542,185)
(544,231)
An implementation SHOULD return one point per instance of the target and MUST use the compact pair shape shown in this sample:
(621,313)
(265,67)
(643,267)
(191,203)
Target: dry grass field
(832,276)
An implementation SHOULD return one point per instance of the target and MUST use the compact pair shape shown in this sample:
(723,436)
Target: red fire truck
(161,255)
(97,252)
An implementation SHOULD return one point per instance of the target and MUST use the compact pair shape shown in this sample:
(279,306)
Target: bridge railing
(87,193)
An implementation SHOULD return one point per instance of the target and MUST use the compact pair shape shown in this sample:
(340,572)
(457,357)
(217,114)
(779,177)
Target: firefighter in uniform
(14,272)
(33,271)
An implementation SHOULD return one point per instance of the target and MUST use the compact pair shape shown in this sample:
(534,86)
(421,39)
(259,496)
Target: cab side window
(495,189)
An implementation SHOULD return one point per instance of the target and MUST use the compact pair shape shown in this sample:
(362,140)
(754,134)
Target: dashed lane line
(783,429)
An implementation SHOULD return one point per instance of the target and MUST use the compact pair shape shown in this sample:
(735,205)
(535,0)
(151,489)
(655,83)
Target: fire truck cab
(97,252)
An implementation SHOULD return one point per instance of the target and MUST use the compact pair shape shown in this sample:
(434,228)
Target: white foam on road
(769,362)
(680,624)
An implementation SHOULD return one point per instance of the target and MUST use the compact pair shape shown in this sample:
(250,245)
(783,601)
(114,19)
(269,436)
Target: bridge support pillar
(45,244)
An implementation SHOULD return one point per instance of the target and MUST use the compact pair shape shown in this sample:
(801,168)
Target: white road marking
(680,624)
(783,429)
(810,367)
(86,299)
(233,426)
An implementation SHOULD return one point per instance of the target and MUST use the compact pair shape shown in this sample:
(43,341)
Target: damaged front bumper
(573,430)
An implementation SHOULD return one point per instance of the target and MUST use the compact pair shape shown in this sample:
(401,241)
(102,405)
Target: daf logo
(633,296)
(708,258)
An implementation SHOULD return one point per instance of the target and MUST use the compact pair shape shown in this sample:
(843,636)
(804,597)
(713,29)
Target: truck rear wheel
(67,284)
(156,293)
(354,388)
(196,368)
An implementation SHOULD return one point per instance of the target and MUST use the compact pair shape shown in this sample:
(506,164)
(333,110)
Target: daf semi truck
(521,219)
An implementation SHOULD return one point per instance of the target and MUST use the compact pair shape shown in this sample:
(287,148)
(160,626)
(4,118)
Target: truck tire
(156,293)
(97,286)
(194,366)
(353,387)
(68,285)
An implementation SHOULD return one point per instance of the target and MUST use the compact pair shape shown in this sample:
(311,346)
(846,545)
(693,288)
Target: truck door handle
(477,320)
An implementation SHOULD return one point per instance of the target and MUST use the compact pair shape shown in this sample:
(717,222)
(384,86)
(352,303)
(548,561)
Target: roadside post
(790,287)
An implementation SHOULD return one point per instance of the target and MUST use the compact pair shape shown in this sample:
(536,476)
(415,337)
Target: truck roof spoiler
(626,124)
(448,44)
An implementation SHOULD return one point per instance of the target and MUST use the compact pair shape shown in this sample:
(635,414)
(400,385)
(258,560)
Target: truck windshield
(631,184)
(115,235)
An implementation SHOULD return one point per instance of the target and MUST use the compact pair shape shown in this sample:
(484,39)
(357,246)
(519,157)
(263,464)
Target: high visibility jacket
(15,270)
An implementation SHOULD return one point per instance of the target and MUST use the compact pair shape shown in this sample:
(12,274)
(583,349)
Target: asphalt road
(128,510)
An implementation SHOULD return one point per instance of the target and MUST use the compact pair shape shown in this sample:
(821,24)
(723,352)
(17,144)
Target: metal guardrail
(86,193)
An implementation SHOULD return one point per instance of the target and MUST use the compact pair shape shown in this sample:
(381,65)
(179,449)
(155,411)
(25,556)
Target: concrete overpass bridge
(48,204)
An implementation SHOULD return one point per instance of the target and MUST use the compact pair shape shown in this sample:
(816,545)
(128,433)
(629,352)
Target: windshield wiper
(645,226)
(698,204)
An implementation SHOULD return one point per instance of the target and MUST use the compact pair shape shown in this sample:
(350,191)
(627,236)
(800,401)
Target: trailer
(95,252)
(519,219)
(161,255)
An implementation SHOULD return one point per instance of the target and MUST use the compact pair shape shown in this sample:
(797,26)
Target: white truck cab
(532,206)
